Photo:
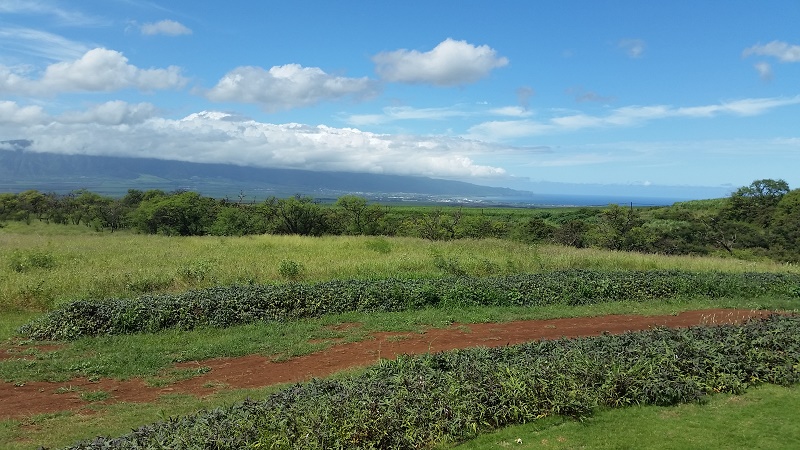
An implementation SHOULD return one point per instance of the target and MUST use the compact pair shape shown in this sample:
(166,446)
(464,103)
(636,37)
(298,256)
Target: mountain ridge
(21,169)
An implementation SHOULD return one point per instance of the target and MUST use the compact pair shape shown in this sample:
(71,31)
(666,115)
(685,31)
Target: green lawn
(763,418)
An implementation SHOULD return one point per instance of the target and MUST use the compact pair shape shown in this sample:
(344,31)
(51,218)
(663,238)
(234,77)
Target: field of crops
(79,304)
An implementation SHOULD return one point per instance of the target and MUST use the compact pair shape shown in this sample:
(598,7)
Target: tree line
(761,220)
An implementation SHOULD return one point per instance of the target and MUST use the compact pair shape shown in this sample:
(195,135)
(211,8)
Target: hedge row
(421,401)
(225,306)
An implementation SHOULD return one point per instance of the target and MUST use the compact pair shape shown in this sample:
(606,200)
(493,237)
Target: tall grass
(83,264)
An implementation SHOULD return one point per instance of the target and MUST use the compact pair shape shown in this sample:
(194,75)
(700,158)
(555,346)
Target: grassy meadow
(44,266)
(73,262)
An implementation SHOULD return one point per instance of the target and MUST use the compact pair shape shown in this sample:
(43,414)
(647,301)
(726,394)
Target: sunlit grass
(762,418)
(100,265)
(97,265)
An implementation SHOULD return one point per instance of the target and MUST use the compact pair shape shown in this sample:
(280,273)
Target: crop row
(225,306)
(421,401)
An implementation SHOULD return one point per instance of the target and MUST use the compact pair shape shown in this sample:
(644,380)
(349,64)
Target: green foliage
(785,228)
(290,270)
(180,214)
(26,260)
(196,270)
(359,217)
(380,245)
(424,401)
(95,396)
(749,224)
(300,215)
(224,306)
(448,265)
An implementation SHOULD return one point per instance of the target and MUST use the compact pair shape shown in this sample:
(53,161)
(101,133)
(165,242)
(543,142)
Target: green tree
(184,214)
(785,228)
(755,203)
(619,228)
(32,204)
(238,220)
(571,233)
(300,215)
(436,224)
(359,217)
(535,229)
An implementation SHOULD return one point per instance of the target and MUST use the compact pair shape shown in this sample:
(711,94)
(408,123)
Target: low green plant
(95,396)
(380,245)
(196,270)
(27,260)
(427,400)
(449,265)
(290,270)
(225,306)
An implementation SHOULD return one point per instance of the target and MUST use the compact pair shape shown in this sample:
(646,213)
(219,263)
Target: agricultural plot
(91,350)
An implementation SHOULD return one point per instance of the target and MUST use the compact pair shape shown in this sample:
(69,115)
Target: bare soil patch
(259,371)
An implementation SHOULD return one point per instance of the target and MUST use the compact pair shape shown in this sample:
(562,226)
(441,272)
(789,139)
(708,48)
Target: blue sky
(512,93)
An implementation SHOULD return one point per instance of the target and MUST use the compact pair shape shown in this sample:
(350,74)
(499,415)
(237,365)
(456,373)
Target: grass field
(43,266)
(758,419)
(67,263)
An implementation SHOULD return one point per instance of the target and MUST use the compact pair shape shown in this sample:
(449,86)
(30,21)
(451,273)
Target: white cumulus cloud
(286,87)
(115,112)
(98,70)
(165,27)
(451,63)
(120,129)
(13,114)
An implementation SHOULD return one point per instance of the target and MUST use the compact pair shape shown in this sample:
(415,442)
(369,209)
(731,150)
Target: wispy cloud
(511,111)
(582,96)
(42,44)
(65,17)
(764,70)
(634,48)
(623,117)
(451,63)
(397,113)
(783,51)
(524,95)
(165,27)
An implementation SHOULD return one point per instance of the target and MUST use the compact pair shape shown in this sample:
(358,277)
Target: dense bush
(755,221)
(224,306)
(421,401)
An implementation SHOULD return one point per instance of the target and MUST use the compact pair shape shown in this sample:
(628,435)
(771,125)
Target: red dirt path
(259,371)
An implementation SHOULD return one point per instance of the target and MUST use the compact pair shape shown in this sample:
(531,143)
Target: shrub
(423,401)
(23,261)
(290,270)
(223,306)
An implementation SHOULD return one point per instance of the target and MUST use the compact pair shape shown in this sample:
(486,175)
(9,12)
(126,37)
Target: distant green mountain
(21,170)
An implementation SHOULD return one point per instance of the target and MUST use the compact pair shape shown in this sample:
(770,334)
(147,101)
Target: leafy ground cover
(241,304)
(418,401)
